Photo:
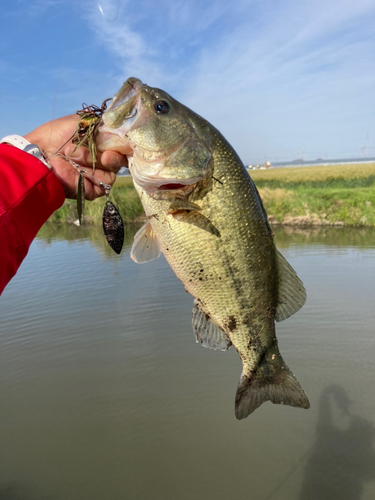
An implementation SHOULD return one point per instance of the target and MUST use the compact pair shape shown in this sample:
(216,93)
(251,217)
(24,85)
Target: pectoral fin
(198,220)
(208,333)
(292,293)
(145,247)
(180,204)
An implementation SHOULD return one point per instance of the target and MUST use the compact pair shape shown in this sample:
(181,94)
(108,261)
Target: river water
(106,395)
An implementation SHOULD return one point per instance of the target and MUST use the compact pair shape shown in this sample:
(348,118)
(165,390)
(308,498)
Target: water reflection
(286,236)
(343,456)
(94,234)
(12,491)
(9,492)
(99,373)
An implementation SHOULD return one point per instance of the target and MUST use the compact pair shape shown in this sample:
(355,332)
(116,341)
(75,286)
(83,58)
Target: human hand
(52,135)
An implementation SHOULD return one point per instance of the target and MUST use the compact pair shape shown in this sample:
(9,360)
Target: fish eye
(161,107)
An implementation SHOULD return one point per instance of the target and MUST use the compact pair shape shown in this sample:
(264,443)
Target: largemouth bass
(205,215)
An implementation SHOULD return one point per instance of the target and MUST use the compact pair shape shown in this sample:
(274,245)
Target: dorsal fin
(145,247)
(292,293)
(208,333)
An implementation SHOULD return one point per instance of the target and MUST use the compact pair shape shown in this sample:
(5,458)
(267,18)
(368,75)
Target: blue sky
(278,78)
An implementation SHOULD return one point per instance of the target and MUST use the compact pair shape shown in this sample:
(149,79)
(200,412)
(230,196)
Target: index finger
(109,160)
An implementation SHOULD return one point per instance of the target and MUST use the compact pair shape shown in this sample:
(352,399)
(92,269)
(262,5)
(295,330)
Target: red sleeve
(29,194)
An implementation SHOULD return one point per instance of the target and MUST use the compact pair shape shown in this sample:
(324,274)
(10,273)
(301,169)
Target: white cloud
(127,47)
(305,70)
(272,76)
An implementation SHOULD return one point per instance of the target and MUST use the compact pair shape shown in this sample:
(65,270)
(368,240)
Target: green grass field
(337,194)
(331,195)
(328,174)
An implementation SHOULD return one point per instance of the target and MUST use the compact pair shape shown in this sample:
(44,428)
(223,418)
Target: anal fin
(207,332)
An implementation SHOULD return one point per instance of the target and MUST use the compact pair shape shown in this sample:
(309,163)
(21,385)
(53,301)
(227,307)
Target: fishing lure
(80,197)
(113,225)
(85,133)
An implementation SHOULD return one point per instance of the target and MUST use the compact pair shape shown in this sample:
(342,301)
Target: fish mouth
(154,184)
(170,187)
(123,106)
(120,117)
(172,190)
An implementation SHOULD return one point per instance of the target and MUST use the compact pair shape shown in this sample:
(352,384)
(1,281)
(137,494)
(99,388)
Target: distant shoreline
(320,163)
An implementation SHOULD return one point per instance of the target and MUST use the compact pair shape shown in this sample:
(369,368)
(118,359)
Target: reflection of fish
(205,215)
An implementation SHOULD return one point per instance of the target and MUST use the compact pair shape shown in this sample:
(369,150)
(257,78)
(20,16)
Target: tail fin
(280,387)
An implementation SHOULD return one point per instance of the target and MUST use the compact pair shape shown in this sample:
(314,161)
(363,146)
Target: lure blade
(80,197)
(113,227)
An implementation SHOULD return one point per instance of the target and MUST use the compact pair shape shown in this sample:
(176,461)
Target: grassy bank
(333,195)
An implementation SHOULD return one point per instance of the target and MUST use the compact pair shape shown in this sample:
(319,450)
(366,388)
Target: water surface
(106,395)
